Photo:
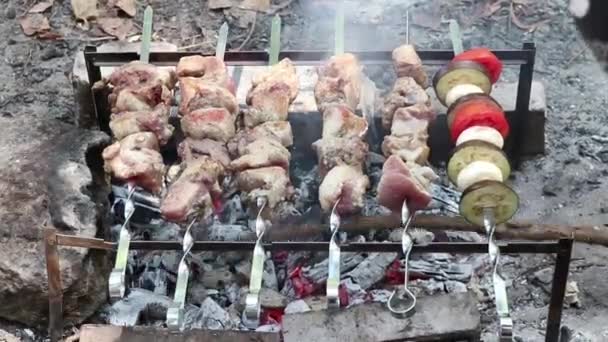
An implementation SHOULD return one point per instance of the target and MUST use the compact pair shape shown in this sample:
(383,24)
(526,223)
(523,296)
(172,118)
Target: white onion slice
(460,91)
(483,133)
(476,172)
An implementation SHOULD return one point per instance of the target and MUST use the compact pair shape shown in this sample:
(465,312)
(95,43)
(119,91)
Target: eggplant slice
(461,72)
(477,150)
(488,194)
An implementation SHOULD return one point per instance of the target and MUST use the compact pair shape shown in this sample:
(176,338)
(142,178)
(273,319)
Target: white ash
(209,316)
(371,270)
(356,294)
(297,306)
(380,295)
(452,286)
(269,328)
(269,278)
(127,311)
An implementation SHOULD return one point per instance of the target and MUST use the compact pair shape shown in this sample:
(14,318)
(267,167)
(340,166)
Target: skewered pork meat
(194,191)
(136,159)
(209,69)
(277,130)
(401,181)
(339,82)
(407,63)
(198,94)
(411,148)
(137,73)
(262,153)
(191,149)
(155,121)
(270,182)
(282,72)
(209,123)
(332,152)
(344,183)
(406,92)
(340,122)
(139,98)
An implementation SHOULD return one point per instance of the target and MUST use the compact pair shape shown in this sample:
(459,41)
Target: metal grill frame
(524,57)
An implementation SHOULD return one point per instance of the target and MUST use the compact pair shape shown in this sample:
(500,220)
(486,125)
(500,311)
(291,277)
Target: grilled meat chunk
(139,98)
(283,72)
(401,181)
(209,69)
(409,148)
(262,153)
(344,183)
(406,92)
(339,82)
(191,149)
(209,123)
(277,130)
(137,73)
(340,122)
(196,93)
(195,191)
(332,152)
(270,182)
(136,159)
(407,63)
(155,121)
(412,120)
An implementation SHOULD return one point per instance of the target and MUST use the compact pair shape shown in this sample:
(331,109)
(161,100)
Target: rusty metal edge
(53,271)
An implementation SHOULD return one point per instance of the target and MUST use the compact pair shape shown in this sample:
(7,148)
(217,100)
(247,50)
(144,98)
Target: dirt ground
(564,186)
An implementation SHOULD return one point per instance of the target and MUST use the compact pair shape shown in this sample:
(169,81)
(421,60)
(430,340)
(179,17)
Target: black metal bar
(558,289)
(379,247)
(244,58)
(55,286)
(94,74)
(522,106)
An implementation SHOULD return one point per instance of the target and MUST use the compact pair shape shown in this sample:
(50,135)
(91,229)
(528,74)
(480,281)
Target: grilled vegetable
(469,100)
(488,194)
(458,73)
(478,171)
(461,90)
(477,150)
(487,134)
(478,112)
(484,57)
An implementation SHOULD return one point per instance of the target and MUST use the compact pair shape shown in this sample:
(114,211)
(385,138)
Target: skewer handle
(500,287)
(275,40)
(175,313)
(333,275)
(251,314)
(222,39)
(146,36)
(456,37)
(117,281)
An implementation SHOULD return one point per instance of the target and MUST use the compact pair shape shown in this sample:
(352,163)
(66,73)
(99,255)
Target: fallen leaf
(84,9)
(256,5)
(49,35)
(127,6)
(522,25)
(41,6)
(34,23)
(117,27)
(220,4)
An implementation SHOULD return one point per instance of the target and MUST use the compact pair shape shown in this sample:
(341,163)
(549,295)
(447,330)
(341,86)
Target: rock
(75,199)
(297,306)
(127,311)
(8,337)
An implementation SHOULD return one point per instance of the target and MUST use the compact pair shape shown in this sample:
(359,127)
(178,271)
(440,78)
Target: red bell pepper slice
(478,112)
(485,58)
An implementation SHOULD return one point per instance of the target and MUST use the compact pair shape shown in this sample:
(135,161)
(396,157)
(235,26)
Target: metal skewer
(404,306)
(500,288)
(333,276)
(455,37)
(251,315)
(117,280)
(175,312)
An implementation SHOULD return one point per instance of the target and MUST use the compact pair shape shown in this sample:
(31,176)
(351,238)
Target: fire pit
(300,221)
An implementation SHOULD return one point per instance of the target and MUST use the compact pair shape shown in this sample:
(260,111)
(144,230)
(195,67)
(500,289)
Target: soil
(564,186)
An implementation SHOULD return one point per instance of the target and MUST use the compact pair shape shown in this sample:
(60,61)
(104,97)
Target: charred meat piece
(407,63)
(194,192)
(191,149)
(412,120)
(209,69)
(136,159)
(339,82)
(406,92)
(401,181)
(340,122)
(332,152)
(347,184)
(139,98)
(283,72)
(412,148)
(262,153)
(277,130)
(155,121)
(198,94)
(209,123)
(270,182)
(137,73)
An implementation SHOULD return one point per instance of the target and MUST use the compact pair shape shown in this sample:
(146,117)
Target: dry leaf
(34,23)
(84,9)
(522,25)
(127,6)
(41,6)
(256,5)
(117,27)
(220,4)
(49,35)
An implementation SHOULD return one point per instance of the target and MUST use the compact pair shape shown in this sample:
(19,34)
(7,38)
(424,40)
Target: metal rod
(222,39)
(333,275)
(117,280)
(339,29)
(275,40)
(53,271)
(500,289)
(252,312)
(456,37)
(407,27)
(522,104)
(146,36)
(175,312)
(558,290)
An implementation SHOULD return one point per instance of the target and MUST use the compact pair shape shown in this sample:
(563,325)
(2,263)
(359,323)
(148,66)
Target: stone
(72,201)
(127,311)
(451,316)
